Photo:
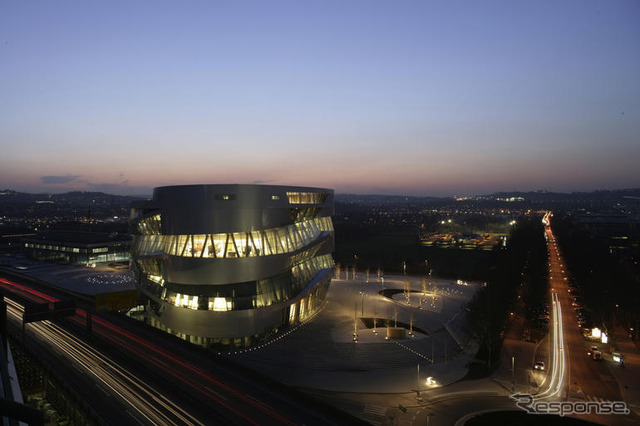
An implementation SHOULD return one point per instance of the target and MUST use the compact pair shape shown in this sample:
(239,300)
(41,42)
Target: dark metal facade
(229,264)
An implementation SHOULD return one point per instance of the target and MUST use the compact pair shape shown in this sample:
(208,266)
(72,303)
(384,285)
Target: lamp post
(513,372)
(395,317)
(375,331)
(355,324)
(429,418)
(411,325)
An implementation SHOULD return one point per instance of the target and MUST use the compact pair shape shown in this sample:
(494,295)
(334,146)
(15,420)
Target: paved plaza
(323,353)
(79,279)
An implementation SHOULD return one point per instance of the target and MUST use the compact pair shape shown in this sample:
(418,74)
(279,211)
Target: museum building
(228,265)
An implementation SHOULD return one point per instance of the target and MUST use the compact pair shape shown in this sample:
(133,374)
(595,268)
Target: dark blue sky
(409,97)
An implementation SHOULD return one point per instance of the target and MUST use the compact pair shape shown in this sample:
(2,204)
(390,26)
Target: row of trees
(523,262)
(609,285)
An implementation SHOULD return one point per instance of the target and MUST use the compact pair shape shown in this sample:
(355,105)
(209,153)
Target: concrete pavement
(322,354)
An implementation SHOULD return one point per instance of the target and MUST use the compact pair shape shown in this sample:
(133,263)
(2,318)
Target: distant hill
(80,197)
(68,204)
(387,199)
(602,195)
(604,200)
(14,203)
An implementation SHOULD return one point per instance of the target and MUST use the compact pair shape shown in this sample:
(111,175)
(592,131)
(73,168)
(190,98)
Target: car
(618,357)
(597,355)
(592,350)
(538,365)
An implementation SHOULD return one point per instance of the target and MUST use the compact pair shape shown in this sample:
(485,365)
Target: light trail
(174,366)
(25,291)
(150,404)
(557,381)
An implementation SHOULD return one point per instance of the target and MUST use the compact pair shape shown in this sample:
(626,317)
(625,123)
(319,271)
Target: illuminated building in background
(77,248)
(227,265)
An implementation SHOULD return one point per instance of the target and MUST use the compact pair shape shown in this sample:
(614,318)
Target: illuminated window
(150,225)
(238,244)
(177,300)
(219,304)
(193,302)
(303,311)
(292,313)
(156,278)
(306,197)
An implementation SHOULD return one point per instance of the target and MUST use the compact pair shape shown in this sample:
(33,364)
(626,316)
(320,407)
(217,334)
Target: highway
(586,379)
(163,380)
(137,399)
(572,376)
(555,386)
(585,375)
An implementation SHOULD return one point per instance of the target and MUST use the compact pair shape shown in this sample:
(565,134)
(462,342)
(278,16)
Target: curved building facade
(230,264)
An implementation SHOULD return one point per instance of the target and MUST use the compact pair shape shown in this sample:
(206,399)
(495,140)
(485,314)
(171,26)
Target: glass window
(306,197)
(240,244)
(198,245)
(218,304)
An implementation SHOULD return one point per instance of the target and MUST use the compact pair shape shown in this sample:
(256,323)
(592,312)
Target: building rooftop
(79,237)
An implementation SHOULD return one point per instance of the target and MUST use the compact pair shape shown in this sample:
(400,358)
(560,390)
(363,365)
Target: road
(120,393)
(196,388)
(588,380)
(571,375)
(208,383)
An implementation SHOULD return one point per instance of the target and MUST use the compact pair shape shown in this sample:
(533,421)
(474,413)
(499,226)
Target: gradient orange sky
(411,97)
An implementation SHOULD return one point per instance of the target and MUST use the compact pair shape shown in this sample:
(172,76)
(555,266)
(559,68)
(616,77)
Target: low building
(227,265)
(77,248)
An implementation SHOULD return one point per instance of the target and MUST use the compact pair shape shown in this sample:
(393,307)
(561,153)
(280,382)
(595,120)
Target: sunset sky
(388,97)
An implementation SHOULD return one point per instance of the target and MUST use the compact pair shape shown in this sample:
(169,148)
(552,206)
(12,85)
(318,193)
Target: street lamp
(355,324)
(513,370)
(429,418)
